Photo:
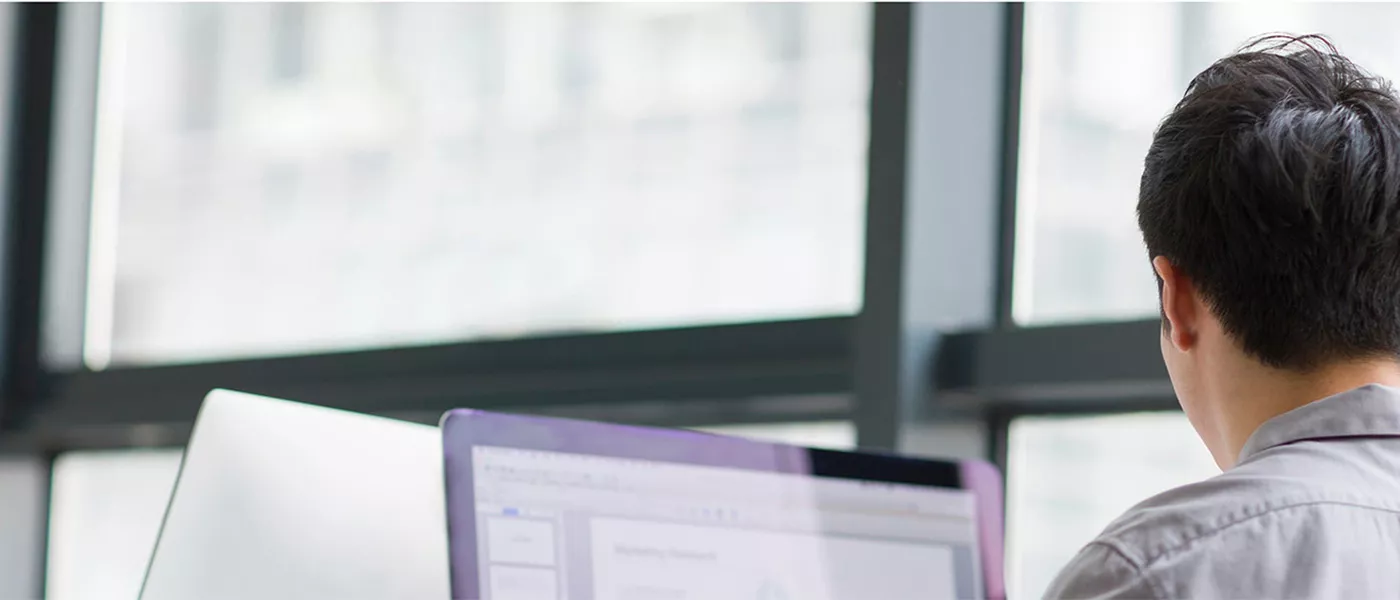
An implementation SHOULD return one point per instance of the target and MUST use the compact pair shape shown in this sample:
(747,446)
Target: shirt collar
(1371,410)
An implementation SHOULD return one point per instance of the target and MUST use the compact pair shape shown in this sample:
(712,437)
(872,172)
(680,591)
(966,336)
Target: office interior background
(888,226)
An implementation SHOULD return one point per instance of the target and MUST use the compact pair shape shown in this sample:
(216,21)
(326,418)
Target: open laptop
(551,509)
(280,500)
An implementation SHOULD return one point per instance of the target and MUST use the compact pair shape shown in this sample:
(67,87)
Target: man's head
(1270,204)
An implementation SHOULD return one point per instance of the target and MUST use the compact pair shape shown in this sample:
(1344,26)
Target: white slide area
(643,560)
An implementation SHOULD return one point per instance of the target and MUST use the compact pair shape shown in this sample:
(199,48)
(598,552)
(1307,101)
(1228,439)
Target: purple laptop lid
(547,509)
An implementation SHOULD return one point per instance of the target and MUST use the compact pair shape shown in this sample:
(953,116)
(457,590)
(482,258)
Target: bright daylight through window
(277,179)
(105,510)
(1096,80)
(1069,477)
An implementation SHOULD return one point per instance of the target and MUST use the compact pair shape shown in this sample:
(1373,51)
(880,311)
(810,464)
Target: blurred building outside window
(1069,477)
(294,178)
(1096,79)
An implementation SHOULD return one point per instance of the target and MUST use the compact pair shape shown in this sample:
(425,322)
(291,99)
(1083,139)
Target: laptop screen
(553,525)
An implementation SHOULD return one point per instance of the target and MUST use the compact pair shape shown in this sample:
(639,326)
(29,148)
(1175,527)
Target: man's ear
(1179,309)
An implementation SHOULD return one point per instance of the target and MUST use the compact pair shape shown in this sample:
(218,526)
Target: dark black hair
(1274,186)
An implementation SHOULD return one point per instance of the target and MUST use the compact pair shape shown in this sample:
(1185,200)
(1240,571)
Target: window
(105,513)
(1069,477)
(23,485)
(674,164)
(1097,78)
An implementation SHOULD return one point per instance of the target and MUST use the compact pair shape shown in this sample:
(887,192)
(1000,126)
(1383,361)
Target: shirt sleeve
(1100,571)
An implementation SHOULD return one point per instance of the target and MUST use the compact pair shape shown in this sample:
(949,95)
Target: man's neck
(1253,396)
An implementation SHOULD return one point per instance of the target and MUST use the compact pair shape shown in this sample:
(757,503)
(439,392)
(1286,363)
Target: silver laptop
(278,499)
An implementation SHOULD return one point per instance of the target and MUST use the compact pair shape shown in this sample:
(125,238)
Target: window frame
(724,371)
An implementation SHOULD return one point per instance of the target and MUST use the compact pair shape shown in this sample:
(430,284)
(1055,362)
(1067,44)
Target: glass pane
(104,515)
(1097,79)
(23,488)
(838,435)
(291,178)
(1068,478)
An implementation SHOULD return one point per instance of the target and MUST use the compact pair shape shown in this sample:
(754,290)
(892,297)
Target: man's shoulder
(1173,520)
(1234,535)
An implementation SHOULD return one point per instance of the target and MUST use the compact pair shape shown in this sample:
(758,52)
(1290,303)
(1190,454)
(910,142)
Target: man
(1270,206)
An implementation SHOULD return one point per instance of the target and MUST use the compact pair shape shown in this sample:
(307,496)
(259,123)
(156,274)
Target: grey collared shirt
(1311,510)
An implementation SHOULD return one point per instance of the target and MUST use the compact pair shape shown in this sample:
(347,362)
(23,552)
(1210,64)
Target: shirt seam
(1139,569)
(1182,546)
(1348,426)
